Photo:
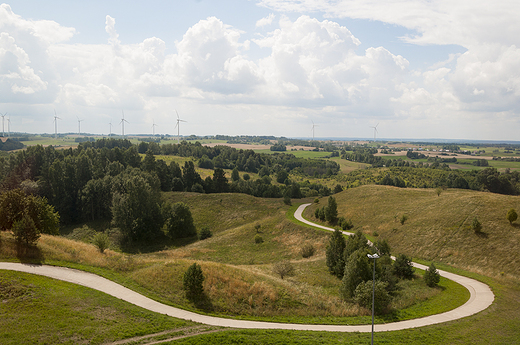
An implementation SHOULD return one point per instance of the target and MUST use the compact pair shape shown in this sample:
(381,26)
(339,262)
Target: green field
(240,282)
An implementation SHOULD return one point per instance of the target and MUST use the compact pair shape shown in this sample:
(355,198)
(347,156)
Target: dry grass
(439,227)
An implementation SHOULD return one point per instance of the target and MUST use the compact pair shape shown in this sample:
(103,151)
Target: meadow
(240,282)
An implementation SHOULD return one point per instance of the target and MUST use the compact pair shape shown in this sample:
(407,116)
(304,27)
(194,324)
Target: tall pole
(374,256)
(3,120)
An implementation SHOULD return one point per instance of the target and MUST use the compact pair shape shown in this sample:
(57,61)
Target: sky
(414,69)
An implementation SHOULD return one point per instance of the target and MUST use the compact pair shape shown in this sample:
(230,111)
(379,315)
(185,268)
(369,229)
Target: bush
(403,267)
(512,215)
(403,219)
(431,276)
(476,226)
(363,296)
(101,241)
(308,250)
(205,232)
(193,280)
(283,268)
(258,239)
(287,200)
(345,224)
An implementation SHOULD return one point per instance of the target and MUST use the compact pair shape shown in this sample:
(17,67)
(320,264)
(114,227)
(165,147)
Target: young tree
(476,226)
(25,230)
(235,175)
(512,215)
(358,269)
(193,281)
(220,182)
(283,268)
(179,221)
(431,276)
(331,212)
(334,254)
(403,267)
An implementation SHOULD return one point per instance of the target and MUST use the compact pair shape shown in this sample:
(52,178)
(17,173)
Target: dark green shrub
(193,280)
(512,215)
(258,239)
(431,276)
(476,226)
(403,219)
(403,267)
(363,296)
(205,232)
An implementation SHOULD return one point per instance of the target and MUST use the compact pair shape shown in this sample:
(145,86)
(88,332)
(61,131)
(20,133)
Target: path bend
(481,298)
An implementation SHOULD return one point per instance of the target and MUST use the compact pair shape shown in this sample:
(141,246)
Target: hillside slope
(438,228)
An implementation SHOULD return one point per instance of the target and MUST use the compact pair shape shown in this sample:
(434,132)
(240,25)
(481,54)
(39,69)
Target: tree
(512,215)
(334,254)
(281,176)
(220,182)
(193,281)
(358,269)
(403,267)
(476,226)
(354,243)
(135,208)
(179,221)
(235,175)
(190,176)
(15,206)
(331,211)
(338,189)
(283,268)
(431,276)
(25,230)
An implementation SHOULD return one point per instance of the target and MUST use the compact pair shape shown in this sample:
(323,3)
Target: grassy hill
(438,228)
(240,281)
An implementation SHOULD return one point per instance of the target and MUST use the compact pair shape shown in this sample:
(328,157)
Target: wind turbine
(123,124)
(3,120)
(9,126)
(313,125)
(110,123)
(375,130)
(178,126)
(56,118)
(79,125)
(153,127)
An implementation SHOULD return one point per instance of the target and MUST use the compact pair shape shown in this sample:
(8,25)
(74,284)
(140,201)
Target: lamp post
(373,256)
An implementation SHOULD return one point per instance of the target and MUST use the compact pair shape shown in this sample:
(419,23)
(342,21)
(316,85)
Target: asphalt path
(481,298)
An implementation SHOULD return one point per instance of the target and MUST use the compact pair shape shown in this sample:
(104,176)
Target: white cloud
(265,21)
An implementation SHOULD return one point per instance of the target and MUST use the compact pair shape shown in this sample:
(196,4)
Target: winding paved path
(481,298)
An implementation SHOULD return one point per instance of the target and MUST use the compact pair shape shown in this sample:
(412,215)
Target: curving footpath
(481,298)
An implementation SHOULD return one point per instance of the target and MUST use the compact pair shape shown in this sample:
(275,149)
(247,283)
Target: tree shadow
(515,225)
(201,302)
(28,254)
(482,234)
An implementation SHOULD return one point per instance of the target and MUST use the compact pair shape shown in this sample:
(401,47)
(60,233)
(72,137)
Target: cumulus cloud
(265,21)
